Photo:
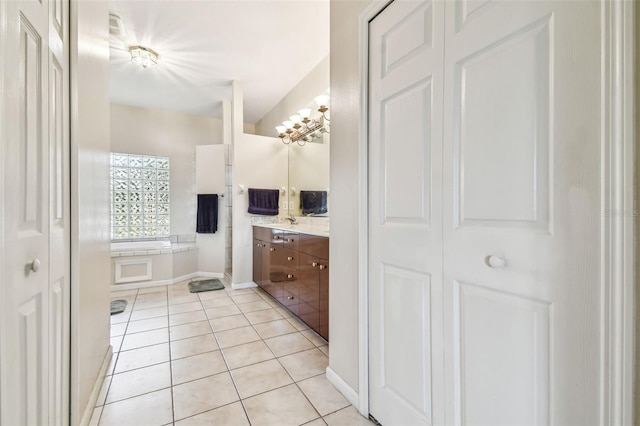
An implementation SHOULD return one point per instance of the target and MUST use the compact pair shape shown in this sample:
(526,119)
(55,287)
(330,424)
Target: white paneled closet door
(484,213)
(34,349)
(405,214)
(522,211)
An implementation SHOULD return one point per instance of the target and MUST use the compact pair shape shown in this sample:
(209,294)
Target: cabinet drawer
(289,258)
(314,245)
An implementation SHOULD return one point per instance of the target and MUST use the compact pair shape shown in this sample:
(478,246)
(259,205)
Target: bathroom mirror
(309,172)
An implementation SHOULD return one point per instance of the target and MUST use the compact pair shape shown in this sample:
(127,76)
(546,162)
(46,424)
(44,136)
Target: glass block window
(139,196)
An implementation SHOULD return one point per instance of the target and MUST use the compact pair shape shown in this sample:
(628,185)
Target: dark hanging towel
(207,222)
(313,202)
(264,201)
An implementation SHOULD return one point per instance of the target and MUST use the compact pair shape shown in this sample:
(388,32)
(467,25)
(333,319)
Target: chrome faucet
(291,218)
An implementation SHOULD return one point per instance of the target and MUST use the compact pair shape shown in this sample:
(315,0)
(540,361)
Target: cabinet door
(323,328)
(274,271)
(309,291)
(257,262)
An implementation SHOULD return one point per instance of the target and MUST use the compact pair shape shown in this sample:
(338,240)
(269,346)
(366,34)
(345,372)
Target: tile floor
(227,357)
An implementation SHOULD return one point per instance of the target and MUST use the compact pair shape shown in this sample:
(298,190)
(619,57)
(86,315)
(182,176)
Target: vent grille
(115,26)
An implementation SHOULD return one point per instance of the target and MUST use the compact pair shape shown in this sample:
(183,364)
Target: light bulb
(281,129)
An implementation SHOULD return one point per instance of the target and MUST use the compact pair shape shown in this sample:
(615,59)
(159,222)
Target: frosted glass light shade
(281,129)
(295,118)
(288,124)
(305,112)
(322,100)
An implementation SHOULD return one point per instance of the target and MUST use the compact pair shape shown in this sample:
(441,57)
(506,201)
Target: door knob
(289,258)
(495,262)
(272,249)
(322,266)
(35,265)
(314,264)
(289,276)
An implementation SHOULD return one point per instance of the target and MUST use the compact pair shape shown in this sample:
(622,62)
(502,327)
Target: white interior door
(34,349)
(522,212)
(405,213)
(484,214)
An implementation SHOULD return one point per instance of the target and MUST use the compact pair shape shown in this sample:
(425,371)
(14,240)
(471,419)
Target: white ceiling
(268,45)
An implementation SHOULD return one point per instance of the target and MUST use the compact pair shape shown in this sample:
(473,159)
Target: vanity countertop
(319,231)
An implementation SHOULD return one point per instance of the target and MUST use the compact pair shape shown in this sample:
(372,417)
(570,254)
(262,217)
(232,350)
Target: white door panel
(35,314)
(521,183)
(484,212)
(405,259)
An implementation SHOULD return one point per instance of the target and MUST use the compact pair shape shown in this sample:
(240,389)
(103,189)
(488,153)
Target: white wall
(313,84)
(343,274)
(137,130)
(90,257)
(258,162)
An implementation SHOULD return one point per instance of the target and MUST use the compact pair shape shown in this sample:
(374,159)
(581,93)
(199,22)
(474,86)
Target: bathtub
(140,245)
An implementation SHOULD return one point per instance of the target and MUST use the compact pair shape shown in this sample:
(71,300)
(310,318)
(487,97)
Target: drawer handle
(289,240)
(314,264)
(259,245)
(289,258)
(289,276)
(272,249)
(289,297)
(323,266)
(277,237)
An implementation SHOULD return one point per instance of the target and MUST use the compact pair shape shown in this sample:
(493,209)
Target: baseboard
(239,286)
(97,387)
(344,388)
(160,283)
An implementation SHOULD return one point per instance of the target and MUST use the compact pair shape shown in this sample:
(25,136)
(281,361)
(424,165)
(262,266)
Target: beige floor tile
(245,298)
(185,307)
(222,311)
(316,422)
(274,328)
(247,354)
(208,295)
(324,349)
(149,313)
(228,323)
(286,406)
(186,298)
(187,318)
(118,329)
(260,305)
(267,315)
(147,325)
(122,294)
(288,344)
(120,318)
(240,291)
(152,297)
(303,365)
(283,311)
(259,378)
(298,323)
(229,415)
(142,357)
(197,366)
(95,417)
(203,395)
(189,330)
(152,409)
(116,342)
(146,338)
(150,290)
(218,302)
(149,304)
(102,396)
(323,395)
(138,382)
(237,336)
(193,346)
(347,417)
(313,337)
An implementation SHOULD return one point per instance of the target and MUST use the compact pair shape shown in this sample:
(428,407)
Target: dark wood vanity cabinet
(293,269)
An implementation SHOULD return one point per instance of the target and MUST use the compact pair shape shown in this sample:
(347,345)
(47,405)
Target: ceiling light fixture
(301,128)
(143,56)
